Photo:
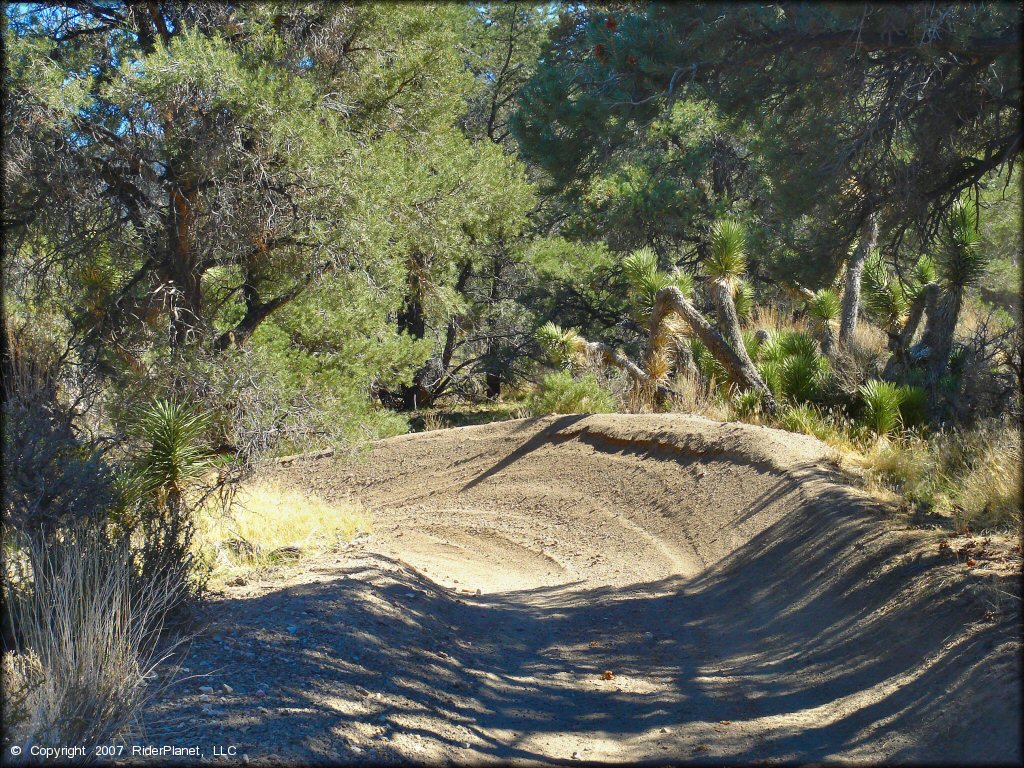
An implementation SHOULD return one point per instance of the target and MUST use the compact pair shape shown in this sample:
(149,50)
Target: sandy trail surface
(610,588)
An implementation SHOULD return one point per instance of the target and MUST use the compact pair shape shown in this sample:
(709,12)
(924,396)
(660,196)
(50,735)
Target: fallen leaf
(607,675)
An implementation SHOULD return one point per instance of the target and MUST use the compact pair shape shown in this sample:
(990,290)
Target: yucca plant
(710,368)
(961,263)
(881,406)
(803,376)
(176,455)
(563,346)
(884,298)
(747,404)
(824,309)
(743,298)
(645,279)
(728,257)
(913,406)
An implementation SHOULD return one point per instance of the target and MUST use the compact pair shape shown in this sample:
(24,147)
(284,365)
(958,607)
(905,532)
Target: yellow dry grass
(269,524)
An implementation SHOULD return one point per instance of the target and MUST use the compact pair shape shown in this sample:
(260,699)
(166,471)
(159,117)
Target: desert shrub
(989,493)
(913,406)
(747,404)
(50,476)
(972,476)
(792,367)
(562,393)
(807,420)
(881,406)
(82,662)
(711,369)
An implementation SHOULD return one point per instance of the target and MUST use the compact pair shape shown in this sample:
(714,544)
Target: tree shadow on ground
(820,637)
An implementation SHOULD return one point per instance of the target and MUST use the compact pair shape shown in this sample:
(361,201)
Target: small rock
(204,697)
(648,635)
(260,694)
(206,689)
(293,630)
(361,690)
(465,745)
(664,730)
(227,688)
(410,594)
(245,759)
(478,591)
(357,750)
(576,756)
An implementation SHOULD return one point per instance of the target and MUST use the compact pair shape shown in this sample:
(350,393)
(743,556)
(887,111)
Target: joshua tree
(960,264)
(854,272)
(824,309)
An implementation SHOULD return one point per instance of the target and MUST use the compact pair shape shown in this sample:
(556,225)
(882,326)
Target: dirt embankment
(747,605)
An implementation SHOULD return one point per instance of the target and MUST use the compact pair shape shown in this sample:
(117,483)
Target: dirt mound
(747,605)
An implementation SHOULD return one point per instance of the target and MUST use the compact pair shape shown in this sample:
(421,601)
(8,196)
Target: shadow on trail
(547,436)
(787,624)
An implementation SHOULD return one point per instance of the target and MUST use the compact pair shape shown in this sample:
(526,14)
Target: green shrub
(913,406)
(804,376)
(806,420)
(562,393)
(747,404)
(881,401)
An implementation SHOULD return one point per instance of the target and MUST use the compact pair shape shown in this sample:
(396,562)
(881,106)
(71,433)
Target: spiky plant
(825,306)
(884,297)
(924,272)
(803,376)
(961,263)
(728,257)
(710,368)
(881,406)
(743,298)
(747,404)
(176,455)
(753,343)
(565,347)
(913,405)
(641,271)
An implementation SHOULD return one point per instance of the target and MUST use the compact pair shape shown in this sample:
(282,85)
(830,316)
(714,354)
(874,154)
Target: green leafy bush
(562,393)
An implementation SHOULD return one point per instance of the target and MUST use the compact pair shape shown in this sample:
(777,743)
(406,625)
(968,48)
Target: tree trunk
(854,272)
(611,356)
(943,314)
(738,363)
(899,343)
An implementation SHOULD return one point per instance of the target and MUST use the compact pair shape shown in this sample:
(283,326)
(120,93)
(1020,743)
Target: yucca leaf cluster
(792,367)
(728,257)
(563,346)
(175,454)
(645,279)
(961,262)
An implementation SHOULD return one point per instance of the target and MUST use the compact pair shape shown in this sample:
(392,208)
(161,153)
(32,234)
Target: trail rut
(748,605)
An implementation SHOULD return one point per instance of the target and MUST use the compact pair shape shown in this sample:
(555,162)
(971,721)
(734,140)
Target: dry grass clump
(973,476)
(86,645)
(268,524)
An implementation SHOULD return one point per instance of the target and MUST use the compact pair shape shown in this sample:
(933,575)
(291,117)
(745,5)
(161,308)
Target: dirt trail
(748,605)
